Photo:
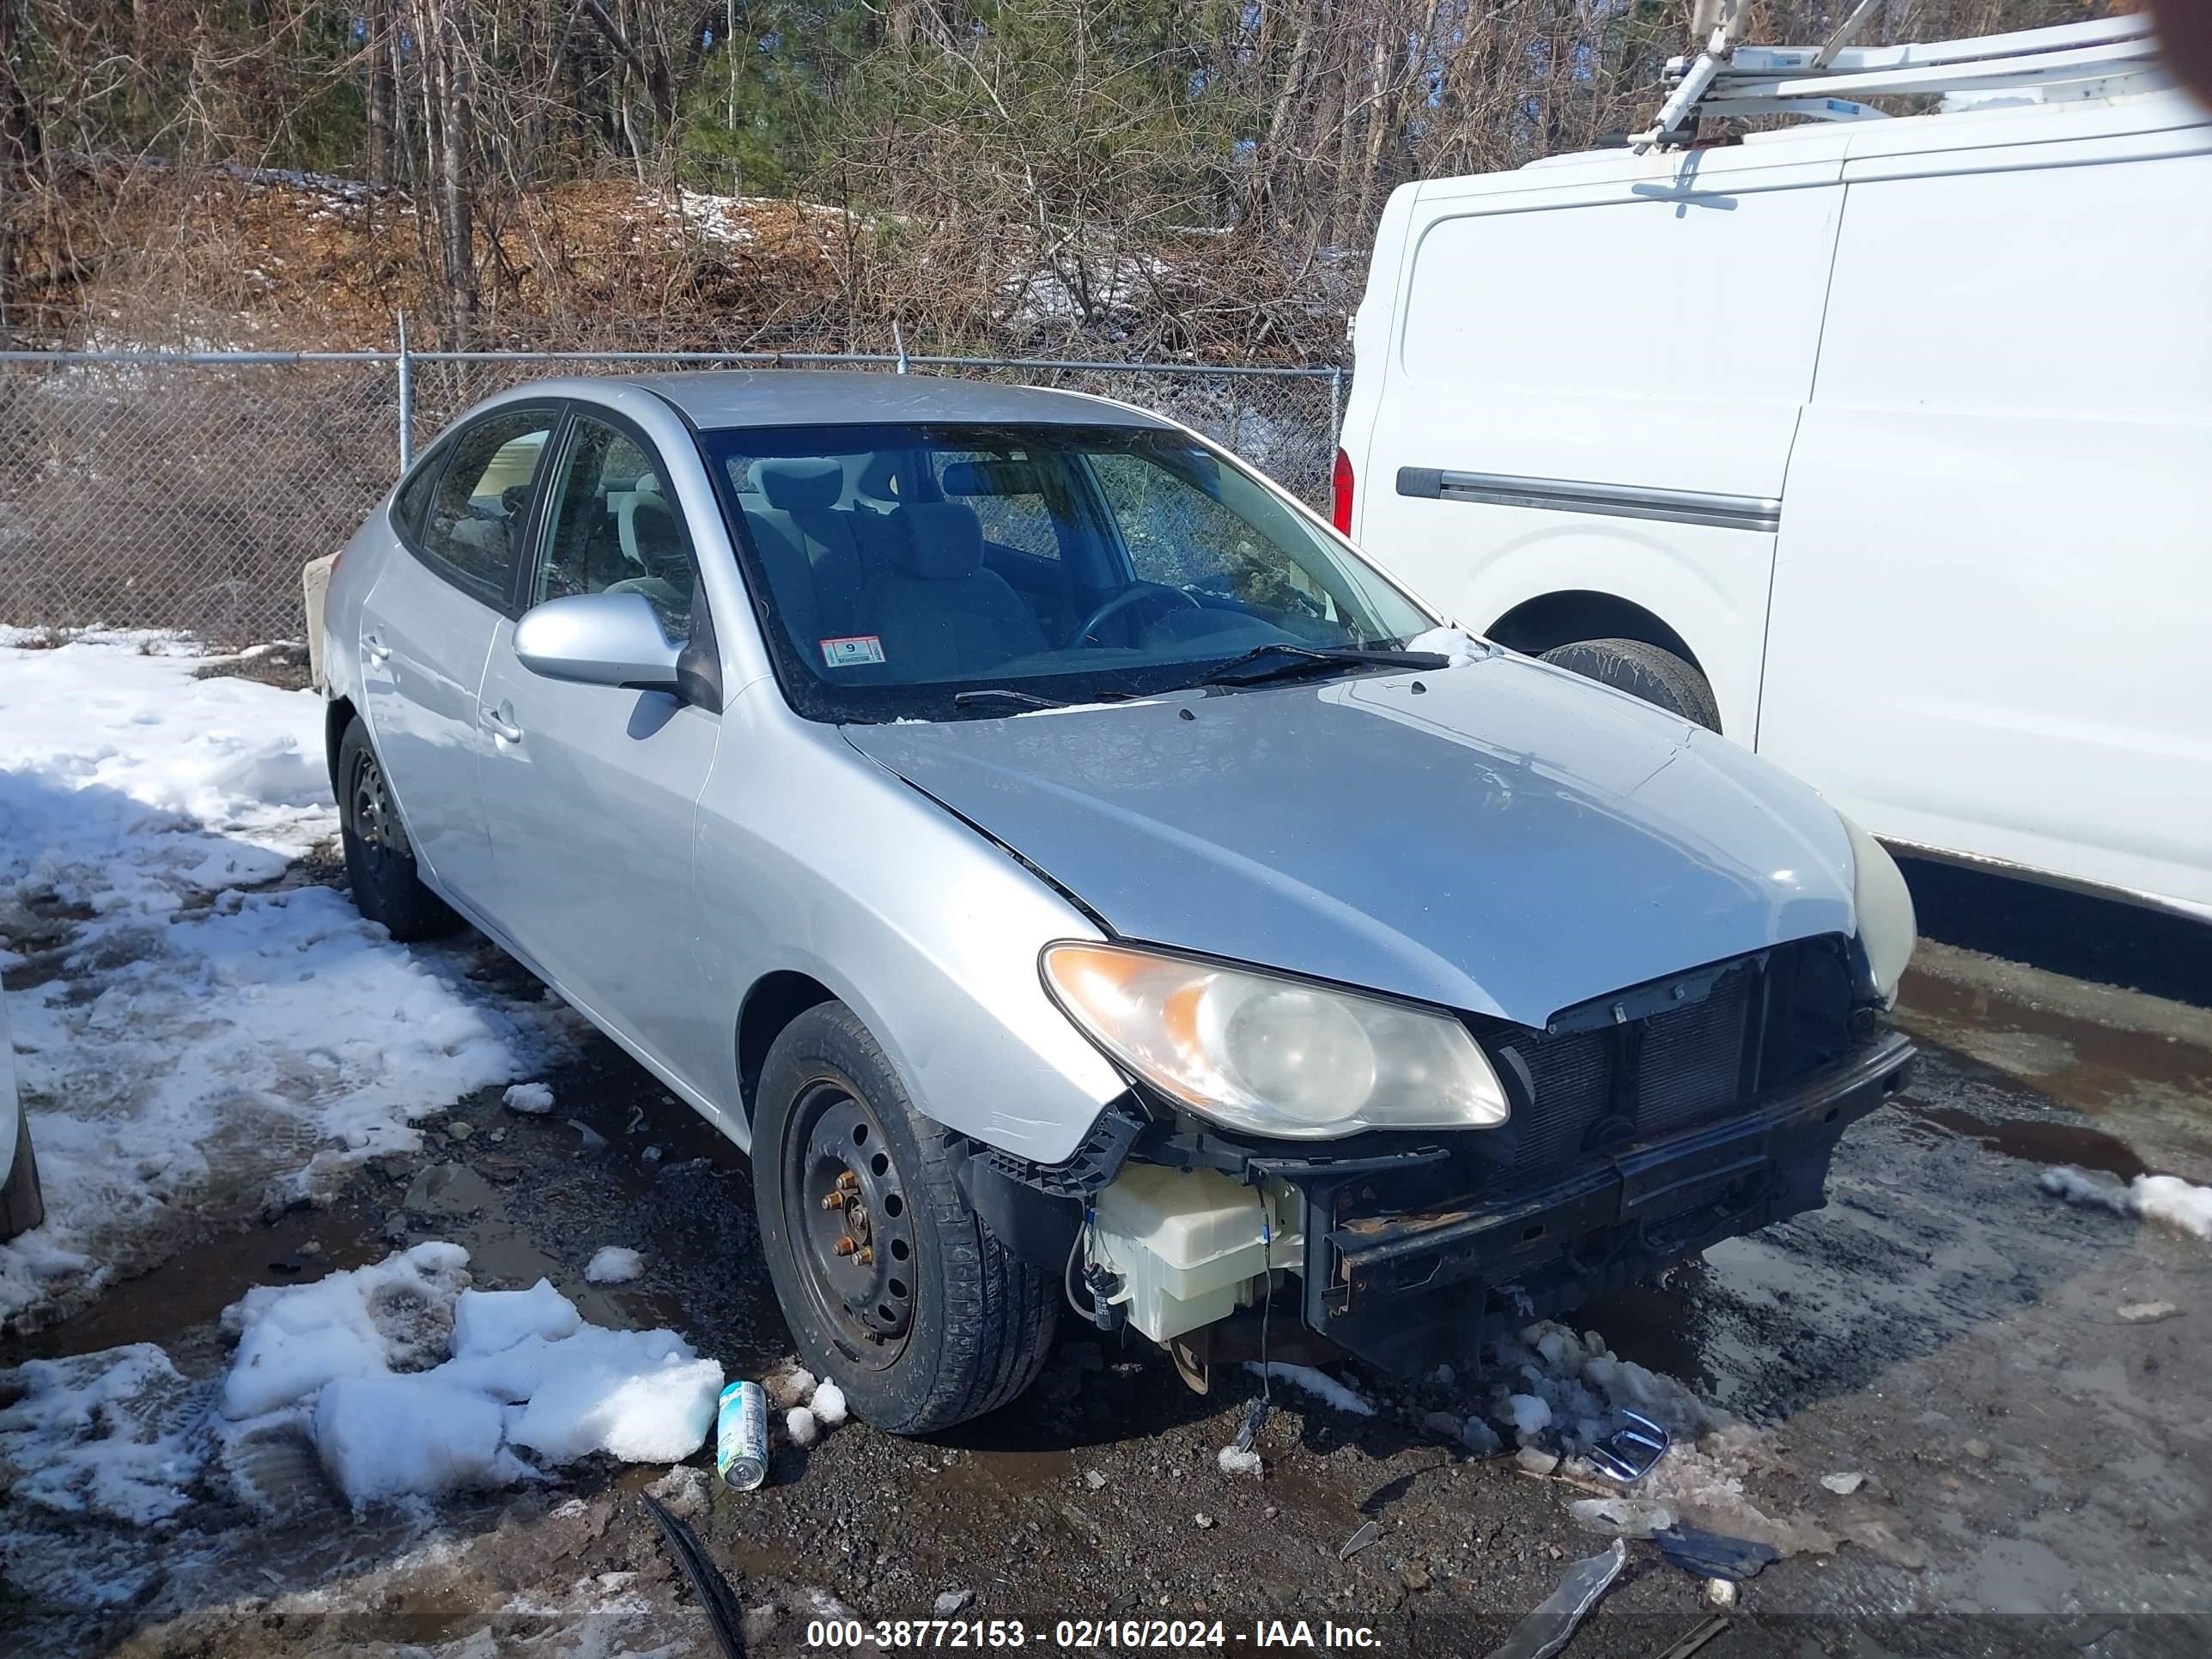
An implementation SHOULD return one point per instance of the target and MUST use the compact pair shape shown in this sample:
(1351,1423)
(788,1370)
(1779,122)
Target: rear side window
(475,527)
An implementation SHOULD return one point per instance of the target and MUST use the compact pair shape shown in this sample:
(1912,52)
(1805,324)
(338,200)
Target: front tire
(1658,677)
(22,1205)
(890,1281)
(379,863)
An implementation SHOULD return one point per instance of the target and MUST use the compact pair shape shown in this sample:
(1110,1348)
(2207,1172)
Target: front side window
(941,571)
(611,527)
(475,527)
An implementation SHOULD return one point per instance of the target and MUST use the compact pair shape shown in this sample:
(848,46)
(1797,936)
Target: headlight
(1278,1056)
(1887,928)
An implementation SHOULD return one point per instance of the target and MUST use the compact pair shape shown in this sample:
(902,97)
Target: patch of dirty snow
(1087,287)
(393,1436)
(1456,643)
(492,1321)
(1548,1382)
(800,1427)
(2175,1202)
(402,1381)
(118,1435)
(1318,1384)
(294,1338)
(729,220)
(789,1384)
(1239,1461)
(2166,1198)
(1709,1474)
(532,1099)
(683,1489)
(1529,1414)
(614,1264)
(198,1031)
(527,1382)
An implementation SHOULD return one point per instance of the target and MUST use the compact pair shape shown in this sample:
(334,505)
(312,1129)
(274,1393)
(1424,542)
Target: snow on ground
(1318,1384)
(612,1264)
(407,1384)
(198,1027)
(1089,286)
(108,1434)
(532,1099)
(2154,1197)
(1564,1392)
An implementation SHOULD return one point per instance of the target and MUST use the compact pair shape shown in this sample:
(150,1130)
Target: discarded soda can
(741,1435)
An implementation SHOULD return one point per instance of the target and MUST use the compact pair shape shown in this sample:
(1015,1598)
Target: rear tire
(928,1321)
(22,1207)
(1658,676)
(379,863)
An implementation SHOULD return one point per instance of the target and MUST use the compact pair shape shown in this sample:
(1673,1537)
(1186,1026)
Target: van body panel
(1993,590)
(1492,367)
(1968,353)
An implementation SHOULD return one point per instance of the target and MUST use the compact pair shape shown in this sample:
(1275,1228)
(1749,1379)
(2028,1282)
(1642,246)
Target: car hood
(1498,837)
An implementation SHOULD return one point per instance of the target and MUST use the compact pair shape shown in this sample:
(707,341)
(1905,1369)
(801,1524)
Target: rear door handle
(377,649)
(501,728)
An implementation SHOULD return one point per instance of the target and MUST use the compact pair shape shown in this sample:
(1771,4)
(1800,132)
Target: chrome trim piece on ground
(1759,513)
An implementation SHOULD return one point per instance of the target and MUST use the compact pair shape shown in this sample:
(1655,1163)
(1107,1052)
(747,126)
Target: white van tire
(1643,670)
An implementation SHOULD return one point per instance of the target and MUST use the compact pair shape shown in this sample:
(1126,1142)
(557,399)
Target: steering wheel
(1133,594)
(513,499)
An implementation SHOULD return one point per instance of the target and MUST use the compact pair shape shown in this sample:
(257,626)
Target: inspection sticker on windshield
(852,651)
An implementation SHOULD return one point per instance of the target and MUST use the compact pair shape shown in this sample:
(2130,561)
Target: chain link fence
(185,490)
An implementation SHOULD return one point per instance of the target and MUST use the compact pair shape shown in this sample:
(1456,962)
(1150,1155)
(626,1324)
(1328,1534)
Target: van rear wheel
(1659,677)
(889,1280)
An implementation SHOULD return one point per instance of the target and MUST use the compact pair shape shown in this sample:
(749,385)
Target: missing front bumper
(1408,1292)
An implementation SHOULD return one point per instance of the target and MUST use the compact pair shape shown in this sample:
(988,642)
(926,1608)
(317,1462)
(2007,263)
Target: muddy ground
(2038,1469)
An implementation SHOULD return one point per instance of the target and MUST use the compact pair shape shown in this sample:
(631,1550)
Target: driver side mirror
(598,639)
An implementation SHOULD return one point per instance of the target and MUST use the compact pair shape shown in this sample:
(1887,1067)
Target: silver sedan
(1079,877)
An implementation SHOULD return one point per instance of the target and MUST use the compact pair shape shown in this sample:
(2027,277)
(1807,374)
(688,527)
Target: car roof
(715,399)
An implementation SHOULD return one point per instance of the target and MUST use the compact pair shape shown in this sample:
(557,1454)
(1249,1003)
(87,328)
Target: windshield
(905,565)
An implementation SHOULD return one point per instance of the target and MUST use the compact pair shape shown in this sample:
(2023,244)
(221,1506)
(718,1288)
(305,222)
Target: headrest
(943,540)
(800,486)
(994,478)
(878,478)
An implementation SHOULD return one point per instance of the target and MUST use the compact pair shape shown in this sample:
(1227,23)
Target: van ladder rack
(1825,82)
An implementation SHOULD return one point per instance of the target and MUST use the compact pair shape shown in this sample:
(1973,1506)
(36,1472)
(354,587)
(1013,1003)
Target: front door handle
(495,722)
(377,649)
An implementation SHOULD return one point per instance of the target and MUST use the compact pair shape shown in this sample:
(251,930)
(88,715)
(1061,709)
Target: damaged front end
(1645,1127)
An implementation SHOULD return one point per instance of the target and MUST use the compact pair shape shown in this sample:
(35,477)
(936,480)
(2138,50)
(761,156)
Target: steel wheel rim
(851,1223)
(370,811)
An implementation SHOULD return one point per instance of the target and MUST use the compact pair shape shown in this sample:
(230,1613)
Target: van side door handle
(495,722)
(377,649)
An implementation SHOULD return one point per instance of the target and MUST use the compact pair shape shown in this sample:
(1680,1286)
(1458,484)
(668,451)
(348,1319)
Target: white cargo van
(1883,445)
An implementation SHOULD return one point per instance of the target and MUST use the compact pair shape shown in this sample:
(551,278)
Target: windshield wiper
(1006,694)
(1256,664)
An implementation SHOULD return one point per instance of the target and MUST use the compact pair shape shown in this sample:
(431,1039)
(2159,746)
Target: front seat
(654,540)
(940,615)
